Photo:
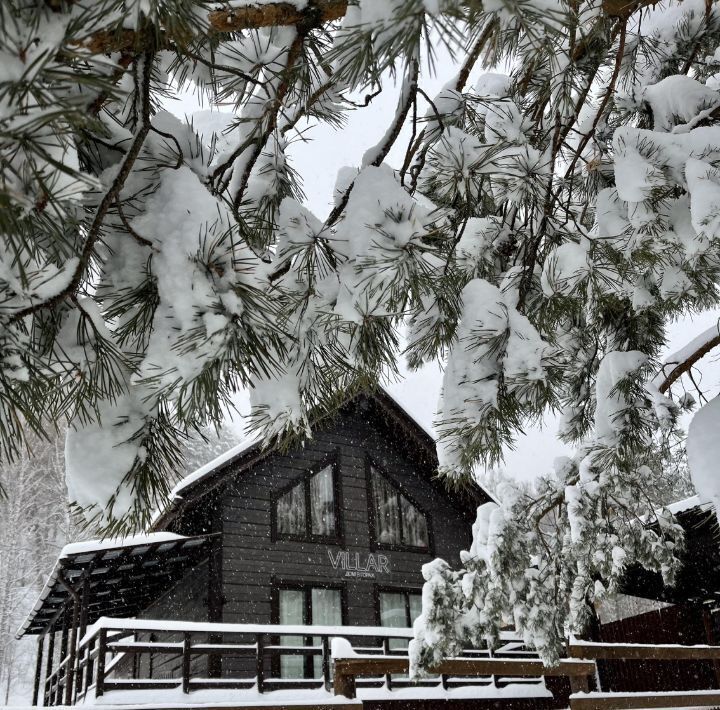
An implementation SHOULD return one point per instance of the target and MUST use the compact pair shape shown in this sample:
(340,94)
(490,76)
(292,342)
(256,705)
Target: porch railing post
(579,684)
(344,683)
(62,671)
(79,675)
(325,642)
(70,666)
(100,665)
(260,662)
(89,665)
(214,660)
(186,662)
(386,652)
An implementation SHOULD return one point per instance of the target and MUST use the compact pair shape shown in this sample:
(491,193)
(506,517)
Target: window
(397,521)
(399,609)
(308,510)
(306,605)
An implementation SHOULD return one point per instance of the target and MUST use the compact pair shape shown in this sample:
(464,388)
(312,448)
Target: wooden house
(322,540)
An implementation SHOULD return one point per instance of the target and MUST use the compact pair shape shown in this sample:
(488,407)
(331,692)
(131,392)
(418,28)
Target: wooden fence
(109,658)
(580,668)
(119,655)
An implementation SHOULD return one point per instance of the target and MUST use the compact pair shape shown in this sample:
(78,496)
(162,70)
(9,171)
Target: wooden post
(84,598)
(89,663)
(260,662)
(100,665)
(344,684)
(38,668)
(151,656)
(186,662)
(215,597)
(47,700)
(62,672)
(80,673)
(214,660)
(135,669)
(579,684)
(71,667)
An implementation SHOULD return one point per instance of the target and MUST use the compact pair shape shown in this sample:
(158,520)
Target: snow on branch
(682,361)
(539,234)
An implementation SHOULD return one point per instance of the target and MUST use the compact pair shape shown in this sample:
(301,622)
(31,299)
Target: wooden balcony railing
(349,670)
(644,700)
(127,654)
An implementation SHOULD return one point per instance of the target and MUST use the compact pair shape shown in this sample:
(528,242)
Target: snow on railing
(125,654)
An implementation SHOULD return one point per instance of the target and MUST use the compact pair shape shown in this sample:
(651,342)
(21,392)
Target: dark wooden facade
(252,562)
(693,618)
(234,564)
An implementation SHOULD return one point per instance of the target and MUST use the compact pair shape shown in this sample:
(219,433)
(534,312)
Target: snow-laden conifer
(554,206)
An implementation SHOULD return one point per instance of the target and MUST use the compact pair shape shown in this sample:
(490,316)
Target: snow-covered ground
(161,699)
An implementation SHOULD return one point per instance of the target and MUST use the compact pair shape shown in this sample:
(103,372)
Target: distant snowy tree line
(35,522)
(541,230)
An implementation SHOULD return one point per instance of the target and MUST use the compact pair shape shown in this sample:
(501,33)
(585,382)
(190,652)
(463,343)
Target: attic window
(398,522)
(307,510)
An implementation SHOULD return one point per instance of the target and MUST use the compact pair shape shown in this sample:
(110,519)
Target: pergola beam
(183,554)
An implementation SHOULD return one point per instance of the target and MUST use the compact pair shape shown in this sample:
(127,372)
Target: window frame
(390,589)
(306,587)
(400,490)
(338,538)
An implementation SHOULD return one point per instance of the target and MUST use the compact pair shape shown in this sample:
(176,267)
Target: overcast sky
(318,160)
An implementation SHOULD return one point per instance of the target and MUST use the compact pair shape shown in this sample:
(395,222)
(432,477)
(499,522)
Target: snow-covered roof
(415,420)
(112,543)
(681,506)
(256,442)
(254,445)
(230,455)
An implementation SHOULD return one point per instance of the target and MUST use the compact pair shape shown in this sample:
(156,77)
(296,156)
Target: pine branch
(380,152)
(689,360)
(219,22)
(460,81)
(276,14)
(109,199)
(270,118)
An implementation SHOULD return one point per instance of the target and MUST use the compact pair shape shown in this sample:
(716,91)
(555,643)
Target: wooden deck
(110,658)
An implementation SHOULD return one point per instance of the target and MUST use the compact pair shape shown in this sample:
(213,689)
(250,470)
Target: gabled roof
(248,453)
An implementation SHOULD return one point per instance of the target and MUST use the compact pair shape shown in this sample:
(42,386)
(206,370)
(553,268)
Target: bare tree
(34,524)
